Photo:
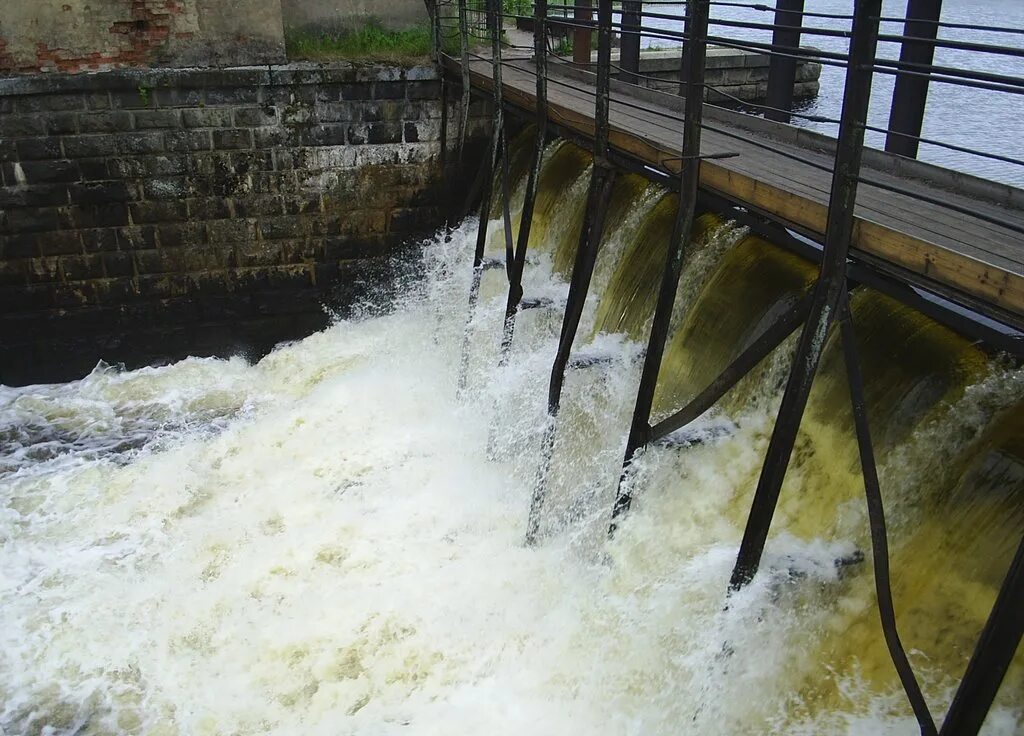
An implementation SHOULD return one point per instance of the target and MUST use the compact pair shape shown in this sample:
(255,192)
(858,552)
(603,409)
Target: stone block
(254,117)
(60,171)
(140,236)
(83,146)
(232,138)
(391,90)
(99,240)
(213,117)
(148,119)
(100,192)
(59,242)
(158,211)
(119,265)
(81,267)
(39,148)
(105,122)
(150,141)
(185,141)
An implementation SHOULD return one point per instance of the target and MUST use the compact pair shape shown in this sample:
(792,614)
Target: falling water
(319,543)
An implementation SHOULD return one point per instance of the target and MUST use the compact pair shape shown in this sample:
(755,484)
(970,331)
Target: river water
(977,119)
(329,541)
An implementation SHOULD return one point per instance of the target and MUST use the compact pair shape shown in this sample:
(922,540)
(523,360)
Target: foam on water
(318,543)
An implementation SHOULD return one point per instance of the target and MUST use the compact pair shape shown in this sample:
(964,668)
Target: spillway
(329,541)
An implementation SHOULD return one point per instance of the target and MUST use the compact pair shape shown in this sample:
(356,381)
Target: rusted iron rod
(745,362)
(992,655)
(782,69)
(629,43)
(601,179)
(696,53)
(910,94)
(827,291)
(515,286)
(876,521)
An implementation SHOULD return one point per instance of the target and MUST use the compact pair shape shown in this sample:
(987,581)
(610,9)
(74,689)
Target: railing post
(828,290)
(689,179)
(601,179)
(782,69)
(515,286)
(464,53)
(992,656)
(584,17)
(910,94)
(629,43)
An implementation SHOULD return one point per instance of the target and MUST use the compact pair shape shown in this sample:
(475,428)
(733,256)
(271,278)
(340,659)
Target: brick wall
(161,213)
(84,35)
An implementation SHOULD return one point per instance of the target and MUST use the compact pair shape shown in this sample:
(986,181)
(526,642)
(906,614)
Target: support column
(583,16)
(910,95)
(829,288)
(689,178)
(782,69)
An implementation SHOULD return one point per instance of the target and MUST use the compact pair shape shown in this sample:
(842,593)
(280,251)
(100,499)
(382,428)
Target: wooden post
(629,43)
(639,430)
(829,288)
(782,69)
(583,16)
(910,95)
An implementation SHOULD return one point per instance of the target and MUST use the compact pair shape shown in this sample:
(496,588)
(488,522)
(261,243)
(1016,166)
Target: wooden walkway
(964,256)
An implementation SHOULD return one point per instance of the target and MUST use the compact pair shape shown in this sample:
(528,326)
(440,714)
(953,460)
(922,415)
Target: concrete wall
(153,214)
(318,16)
(82,35)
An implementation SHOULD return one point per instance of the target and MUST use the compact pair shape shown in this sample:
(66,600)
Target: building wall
(83,35)
(313,16)
(149,214)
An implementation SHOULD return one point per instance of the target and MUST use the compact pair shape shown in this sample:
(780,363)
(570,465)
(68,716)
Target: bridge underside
(917,223)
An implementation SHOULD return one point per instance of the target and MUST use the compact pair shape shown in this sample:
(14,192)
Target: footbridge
(945,240)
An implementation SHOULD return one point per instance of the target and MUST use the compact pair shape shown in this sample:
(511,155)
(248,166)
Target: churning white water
(328,541)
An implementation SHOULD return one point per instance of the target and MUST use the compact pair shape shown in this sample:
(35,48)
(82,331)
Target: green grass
(370,43)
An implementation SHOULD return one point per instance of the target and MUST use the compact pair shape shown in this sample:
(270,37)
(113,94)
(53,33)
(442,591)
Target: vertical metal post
(464,52)
(910,94)
(499,120)
(827,291)
(781,68)
(876,521)
(689,179)
(583,17)
(992,656)
(439,60)
(515,286)
(601,180)
(629,43)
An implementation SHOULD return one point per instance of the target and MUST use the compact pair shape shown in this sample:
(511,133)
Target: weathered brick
(34,219)
(99,192)
(232,95)
(119,264)
(183,141)
(423,90)
(203,117)
(19,245)
(105,122)
(17,126)
(93,169)
(83,146)
(389,90)
(323,135)
(48,102)
(388,132)
(38,148)
(233,138)
(166,188)
(146,119)
(178,97)
(136,236)
(43,270)
(59,171)
(158,211)
(230,231)
(132,99)
(177,235)
(102,214)
(59,242)
(151,141)
(208,208)
(99,240)
(413,219)
(42,195)
(339,112)
(13,272)
(357,91)
(256,116)
(82,267)
(412,133)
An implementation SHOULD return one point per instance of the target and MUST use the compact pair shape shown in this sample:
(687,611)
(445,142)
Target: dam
(382,527)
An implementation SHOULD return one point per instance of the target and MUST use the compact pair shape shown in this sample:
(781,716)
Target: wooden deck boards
(959,252)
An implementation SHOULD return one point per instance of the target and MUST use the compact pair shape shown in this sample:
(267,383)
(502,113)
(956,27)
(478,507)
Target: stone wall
(82,35)
(148,214)
(320,16)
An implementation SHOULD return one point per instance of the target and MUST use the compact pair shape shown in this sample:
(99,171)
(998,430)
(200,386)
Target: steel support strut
(435,7)
(782,67)
(601,179)
(499,121)
(498,150)
(876,521)
(910,93)
(515,281)
(992,655)
(629,44)
(639,429)
(464,52)
(827,291)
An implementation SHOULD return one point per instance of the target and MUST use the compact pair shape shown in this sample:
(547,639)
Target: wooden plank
(968,255)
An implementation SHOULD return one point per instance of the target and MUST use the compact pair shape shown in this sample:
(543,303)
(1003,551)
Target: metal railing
(827,303)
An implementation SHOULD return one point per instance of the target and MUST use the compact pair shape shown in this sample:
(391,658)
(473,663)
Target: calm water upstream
(977,119)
